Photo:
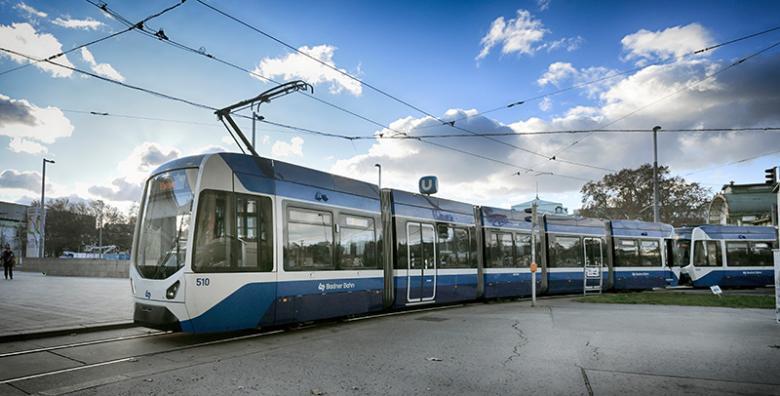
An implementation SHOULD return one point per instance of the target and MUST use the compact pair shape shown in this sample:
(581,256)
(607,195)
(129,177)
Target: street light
(43,206)
(380,175)
(656,216)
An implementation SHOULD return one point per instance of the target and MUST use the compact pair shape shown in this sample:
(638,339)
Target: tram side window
(649,254)
(737,254)
(707,254)
(523,245)
(357,243)
(309,244)
(453,247)
(501,250)
(761,254)
(626,253)
(233,234)
(565,251)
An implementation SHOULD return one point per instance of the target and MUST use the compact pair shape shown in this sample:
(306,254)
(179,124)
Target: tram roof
(575,225)
(638,228)
(719,231)
(504,218)
(429,207)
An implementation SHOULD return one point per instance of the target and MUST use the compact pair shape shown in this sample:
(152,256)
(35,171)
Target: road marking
(78,344)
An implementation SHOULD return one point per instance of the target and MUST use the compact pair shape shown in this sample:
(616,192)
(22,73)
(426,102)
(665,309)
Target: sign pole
(533,254)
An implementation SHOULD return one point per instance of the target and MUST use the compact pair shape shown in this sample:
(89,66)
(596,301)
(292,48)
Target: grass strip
(690,299)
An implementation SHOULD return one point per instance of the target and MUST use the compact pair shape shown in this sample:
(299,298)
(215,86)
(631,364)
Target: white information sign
(716,290)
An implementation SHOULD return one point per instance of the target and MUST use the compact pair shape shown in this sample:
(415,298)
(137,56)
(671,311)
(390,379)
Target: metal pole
(254,119)
(533,253)
(42,243)
(656,216)
(380,175)
(43,210)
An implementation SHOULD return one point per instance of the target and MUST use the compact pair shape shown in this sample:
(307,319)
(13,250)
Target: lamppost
(43,206)
(656,215)
(380,175)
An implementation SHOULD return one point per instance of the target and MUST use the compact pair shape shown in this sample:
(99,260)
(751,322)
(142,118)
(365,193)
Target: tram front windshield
(162,244)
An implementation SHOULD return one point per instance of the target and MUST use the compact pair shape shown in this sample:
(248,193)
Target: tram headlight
(171,292)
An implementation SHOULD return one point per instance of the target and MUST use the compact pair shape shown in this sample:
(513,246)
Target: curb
(65,331)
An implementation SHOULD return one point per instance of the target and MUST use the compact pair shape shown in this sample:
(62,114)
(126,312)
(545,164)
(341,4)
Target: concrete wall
(76,267)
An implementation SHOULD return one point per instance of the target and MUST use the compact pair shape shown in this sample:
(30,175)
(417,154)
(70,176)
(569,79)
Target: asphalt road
(559,347)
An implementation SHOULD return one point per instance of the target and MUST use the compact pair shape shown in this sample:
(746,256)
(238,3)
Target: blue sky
(451,59)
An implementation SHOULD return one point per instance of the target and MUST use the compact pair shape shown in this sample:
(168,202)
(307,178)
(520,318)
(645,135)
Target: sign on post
(429,185)
(777,284)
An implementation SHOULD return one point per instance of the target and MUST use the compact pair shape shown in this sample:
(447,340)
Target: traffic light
(529,211)
(771,175)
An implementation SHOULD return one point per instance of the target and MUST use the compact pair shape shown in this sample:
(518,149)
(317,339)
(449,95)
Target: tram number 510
(202,281)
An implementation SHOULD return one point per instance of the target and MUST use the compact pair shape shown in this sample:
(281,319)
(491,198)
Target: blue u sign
(429,185)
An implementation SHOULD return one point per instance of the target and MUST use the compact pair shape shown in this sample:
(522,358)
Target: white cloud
(556,73)
(143,159)
(546,104)
(519,34)
(102,69)
(210,149)
(745,97)
(120,190)
(284,149)
(568,43)
(673,42)
(25,180)
(19,145)
(23,38)
(71,23)
(297,66)
(28,125)
(543,4)
(30,10)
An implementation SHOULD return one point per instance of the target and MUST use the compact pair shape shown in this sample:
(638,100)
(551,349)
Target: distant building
(543,207)
(12,220)
(744,204)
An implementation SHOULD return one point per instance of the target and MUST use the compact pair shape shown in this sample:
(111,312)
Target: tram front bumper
(156,317)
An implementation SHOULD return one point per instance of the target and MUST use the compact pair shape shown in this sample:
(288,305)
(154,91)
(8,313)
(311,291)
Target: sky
(418,65)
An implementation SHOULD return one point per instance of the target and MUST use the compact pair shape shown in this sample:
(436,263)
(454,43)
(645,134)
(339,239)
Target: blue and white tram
(269,243)
(731,256)
(435,251)
(507,253)
(639,260)
(569,245)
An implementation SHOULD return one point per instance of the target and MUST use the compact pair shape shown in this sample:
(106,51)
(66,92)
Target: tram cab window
(453,247)
(565,251)
(649,253)
(707,254)
(501,250)
(233,233)
(357,243)
(682,252)
(309,244)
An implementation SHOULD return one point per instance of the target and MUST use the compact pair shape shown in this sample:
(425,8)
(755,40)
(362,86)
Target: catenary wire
(132,26)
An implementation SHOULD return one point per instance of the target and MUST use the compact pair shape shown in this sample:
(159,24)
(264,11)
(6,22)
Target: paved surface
(33,302)
(560,347)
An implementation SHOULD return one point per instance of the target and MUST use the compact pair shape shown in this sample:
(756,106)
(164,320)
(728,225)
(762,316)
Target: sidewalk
(33,302)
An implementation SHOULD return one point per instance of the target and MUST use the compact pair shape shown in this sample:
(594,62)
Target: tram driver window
(565,251)
(309,244)
(233,233)
(707,254)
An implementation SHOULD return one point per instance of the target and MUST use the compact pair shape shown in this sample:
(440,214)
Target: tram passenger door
(594,261)
(421,278)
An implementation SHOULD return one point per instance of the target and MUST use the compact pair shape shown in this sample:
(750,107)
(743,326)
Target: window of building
(565,251)
(309,245)
(233,233)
